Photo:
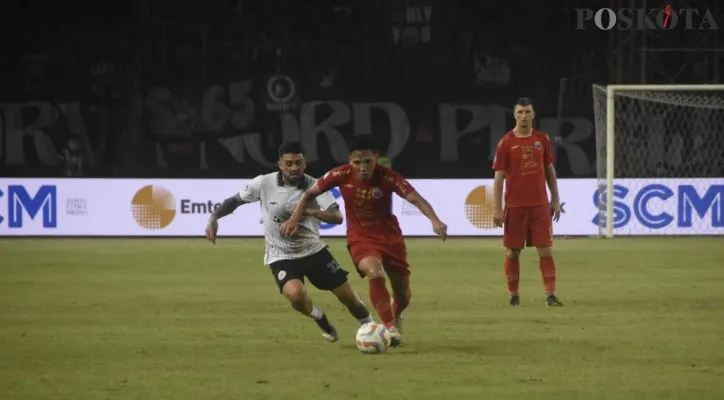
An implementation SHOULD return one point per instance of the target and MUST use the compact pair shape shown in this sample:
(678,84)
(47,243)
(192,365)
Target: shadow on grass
(513,347)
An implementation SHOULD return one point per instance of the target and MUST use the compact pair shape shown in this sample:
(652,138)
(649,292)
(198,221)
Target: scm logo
(21,203)
(653,210)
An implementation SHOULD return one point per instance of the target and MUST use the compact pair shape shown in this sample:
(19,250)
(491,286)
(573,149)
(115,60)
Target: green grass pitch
(183,319)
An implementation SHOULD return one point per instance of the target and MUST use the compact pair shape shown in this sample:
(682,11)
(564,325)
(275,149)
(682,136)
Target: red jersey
(368,204)
(524,161)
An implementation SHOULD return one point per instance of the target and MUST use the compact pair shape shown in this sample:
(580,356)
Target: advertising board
(178,207)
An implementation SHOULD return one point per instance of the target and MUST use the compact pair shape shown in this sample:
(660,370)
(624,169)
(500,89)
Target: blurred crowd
(93,69)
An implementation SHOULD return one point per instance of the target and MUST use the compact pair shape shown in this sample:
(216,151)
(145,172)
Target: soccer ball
(373,338)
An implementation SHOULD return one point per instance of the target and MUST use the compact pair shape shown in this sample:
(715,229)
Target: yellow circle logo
(479,209)
(153,207)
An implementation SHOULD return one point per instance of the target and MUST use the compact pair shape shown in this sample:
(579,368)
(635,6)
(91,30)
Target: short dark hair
(290,148)
(524,101)
(364,142)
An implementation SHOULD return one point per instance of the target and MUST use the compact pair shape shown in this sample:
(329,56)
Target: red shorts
(393,255)
(527,227)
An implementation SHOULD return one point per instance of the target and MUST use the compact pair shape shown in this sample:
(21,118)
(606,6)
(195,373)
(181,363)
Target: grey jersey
(271,191)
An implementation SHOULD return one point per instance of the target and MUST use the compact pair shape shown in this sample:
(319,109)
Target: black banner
(234,128)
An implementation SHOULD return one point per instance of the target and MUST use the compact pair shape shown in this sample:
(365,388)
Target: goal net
(660,159)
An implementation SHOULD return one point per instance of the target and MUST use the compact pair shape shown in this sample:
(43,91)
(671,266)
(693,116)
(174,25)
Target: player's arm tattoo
(498,189)
(552,180)
(331,215)
(228,206)
(425,208)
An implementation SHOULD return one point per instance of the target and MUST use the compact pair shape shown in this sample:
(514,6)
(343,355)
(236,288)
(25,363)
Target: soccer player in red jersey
(374,238)
(524,160)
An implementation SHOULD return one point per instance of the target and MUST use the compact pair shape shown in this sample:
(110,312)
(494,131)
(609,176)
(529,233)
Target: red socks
(548,270)
(380,297)
(512,274)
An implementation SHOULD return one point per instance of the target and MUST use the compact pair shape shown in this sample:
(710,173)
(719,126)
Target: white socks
(316,313)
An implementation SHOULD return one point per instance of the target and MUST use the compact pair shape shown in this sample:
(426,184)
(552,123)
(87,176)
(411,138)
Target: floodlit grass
(182,319)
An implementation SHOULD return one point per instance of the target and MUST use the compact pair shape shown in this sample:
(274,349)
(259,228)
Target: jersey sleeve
(333,178)
(252,192)
(398,183)
(548,156)
(326,201)
(500,162)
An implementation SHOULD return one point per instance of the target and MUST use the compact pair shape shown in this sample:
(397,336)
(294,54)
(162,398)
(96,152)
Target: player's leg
(371,267)
(512,274)
(514,237)
(368,261)
(347,296)
(398,271)
(400,283)
(542,239)
(327,274)
(289,275)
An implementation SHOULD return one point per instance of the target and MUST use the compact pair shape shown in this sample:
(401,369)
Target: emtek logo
(479,208)
(21,203)
(153,207)
(650,205)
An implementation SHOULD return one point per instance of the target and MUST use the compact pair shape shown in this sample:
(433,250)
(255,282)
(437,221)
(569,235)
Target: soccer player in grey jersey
(291,259)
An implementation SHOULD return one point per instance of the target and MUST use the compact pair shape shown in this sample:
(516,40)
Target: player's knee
(371,268)
(294,291)
(545,251)
(374,272)
(513,254)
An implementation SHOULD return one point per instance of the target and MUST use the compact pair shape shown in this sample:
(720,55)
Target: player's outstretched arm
(426,209)
(250,194)
(552,180)
(498,198)
(423,205)
(227,207)
(290,226)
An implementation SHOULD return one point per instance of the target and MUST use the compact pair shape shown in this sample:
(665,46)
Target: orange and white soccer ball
(373,338)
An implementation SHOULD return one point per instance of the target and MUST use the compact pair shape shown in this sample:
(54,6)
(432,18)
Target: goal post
(646,136)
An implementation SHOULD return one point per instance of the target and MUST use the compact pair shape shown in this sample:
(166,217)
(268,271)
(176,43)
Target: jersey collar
(302,184)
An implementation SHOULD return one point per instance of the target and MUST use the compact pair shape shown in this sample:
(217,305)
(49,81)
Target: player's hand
(440,229)
(211,228)
(289,227)
(498,217)
(556,209)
